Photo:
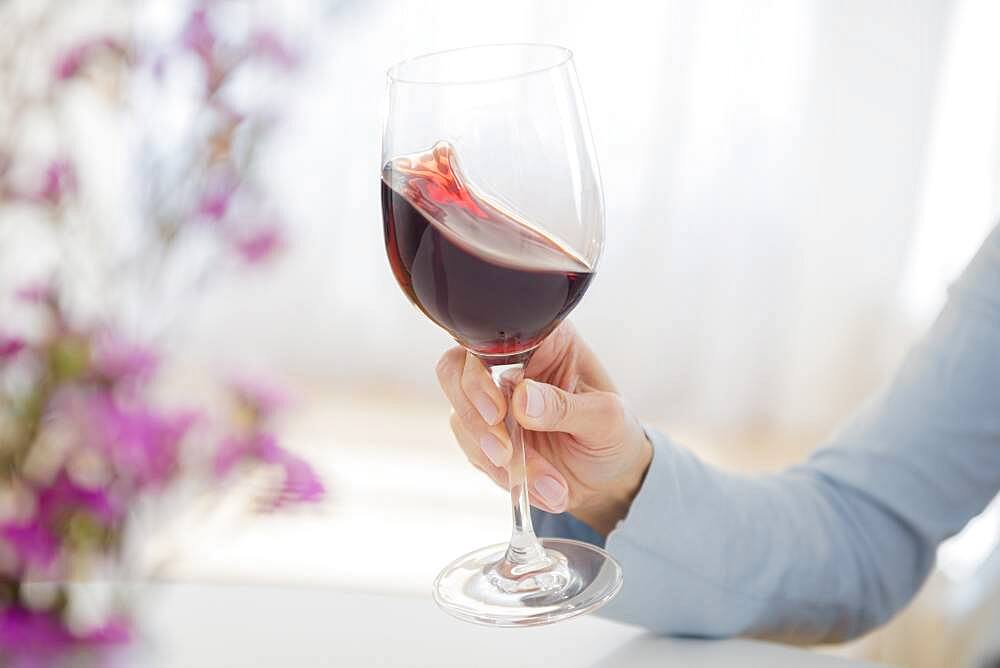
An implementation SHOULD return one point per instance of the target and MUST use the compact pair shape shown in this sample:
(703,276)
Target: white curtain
(771,173)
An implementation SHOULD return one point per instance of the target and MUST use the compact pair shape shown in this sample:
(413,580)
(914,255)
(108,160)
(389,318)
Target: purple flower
(34,639)
(143,445)
(234,450)
(71,62)
(268,46)
(214,204)
(10,346)
(260,244)
(302,485)
(115,631)
(36,293)
(265,400)
(34,542)
(64,495)
(60,181)
(32,633)
(198,36)
(229,453)
(217,197)
(116,360)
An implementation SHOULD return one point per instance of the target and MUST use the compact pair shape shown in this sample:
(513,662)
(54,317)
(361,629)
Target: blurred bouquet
(85,438)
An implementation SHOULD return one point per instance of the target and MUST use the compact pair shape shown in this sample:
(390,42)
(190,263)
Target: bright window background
(790,186)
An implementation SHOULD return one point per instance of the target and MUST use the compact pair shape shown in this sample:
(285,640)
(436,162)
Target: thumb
(589,416)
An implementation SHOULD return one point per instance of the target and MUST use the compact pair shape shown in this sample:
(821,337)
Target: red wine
(494,282)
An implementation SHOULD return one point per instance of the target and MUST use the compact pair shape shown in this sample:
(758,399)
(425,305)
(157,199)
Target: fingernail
(535,405)
(551,490)
(486,408)
(493,449)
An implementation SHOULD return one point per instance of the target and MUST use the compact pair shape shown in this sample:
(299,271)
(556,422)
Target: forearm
(829,549)
(793,556)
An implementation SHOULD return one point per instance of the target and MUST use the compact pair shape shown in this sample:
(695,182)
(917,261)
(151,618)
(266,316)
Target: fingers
(475,454)
(553,350)
(492,439)
(480,389)
(477,424)
(547,488)
(589,416)
(564,349)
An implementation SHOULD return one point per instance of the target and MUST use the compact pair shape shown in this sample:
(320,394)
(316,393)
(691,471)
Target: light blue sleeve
(832,548)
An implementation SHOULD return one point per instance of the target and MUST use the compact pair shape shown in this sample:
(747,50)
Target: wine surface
(496,283)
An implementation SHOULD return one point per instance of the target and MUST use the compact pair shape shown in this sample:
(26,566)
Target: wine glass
(494,222)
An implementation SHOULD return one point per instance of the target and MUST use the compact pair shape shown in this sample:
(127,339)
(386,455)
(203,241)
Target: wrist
(613,502)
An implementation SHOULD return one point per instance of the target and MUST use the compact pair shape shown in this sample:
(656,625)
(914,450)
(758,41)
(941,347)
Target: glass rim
(394,75)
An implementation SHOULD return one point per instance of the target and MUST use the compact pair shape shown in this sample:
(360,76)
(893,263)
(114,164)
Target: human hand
(585,452)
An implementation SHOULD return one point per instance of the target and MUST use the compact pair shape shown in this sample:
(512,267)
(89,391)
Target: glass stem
(525,553)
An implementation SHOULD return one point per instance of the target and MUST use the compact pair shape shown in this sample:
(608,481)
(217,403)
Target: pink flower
(60,181)
(115,631)
(265,400)
(34,639)
(214,204)
(63,496)
(33,542)
(116,360)
(268,46)
(143,445)
(260,244)
(37,541)
(10,346)
(36,293)
(234,450)
(228,455)
(32,634)
(302,485)
(217,197)
(198,36)
(71,62)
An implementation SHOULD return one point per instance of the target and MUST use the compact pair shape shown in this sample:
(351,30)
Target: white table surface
(193,625)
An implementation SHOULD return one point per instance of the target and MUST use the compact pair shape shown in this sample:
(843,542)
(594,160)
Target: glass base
(484,588)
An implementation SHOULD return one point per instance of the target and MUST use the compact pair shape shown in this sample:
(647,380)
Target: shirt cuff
(647,508)
(564,525)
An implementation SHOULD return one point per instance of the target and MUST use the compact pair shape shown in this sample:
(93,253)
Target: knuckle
(469,380)
(447,365)
(475,378)
(461,434)
(468,415)
(614,412)
(557,405)
(471,452)
(472,459)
